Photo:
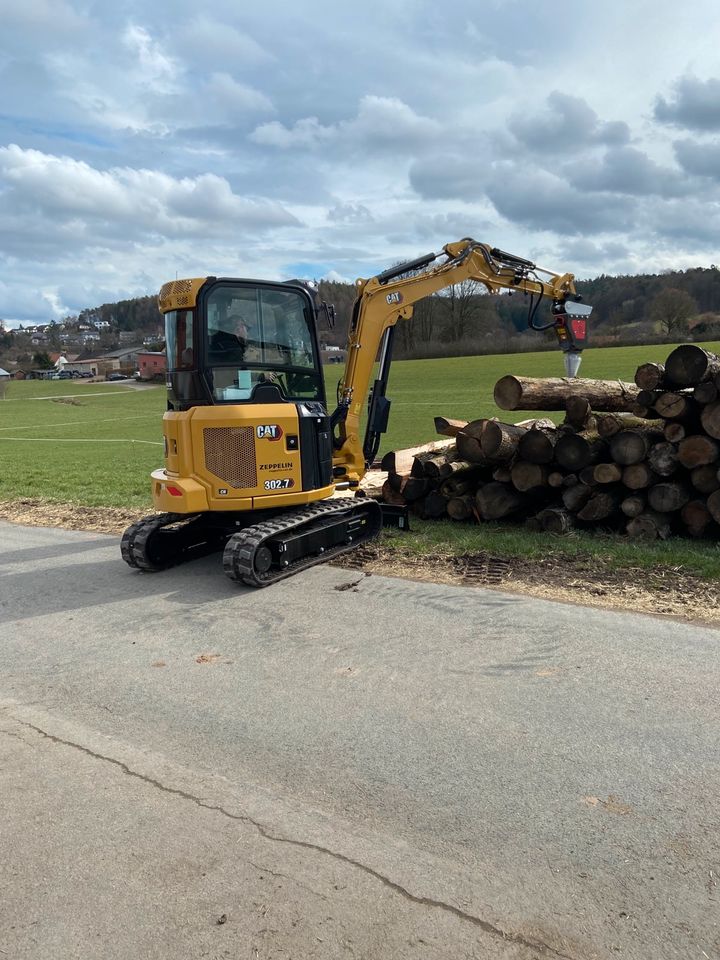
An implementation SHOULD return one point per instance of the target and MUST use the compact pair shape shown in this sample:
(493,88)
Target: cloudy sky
(139,142)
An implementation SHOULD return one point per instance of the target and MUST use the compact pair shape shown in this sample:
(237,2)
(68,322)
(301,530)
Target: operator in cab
(233,342)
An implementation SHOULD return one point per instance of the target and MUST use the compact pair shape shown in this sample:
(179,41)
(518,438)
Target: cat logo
(396,297)
(268,431)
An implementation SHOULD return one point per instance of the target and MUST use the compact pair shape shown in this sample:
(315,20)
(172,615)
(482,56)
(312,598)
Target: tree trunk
(675,406)
(537,445)
(639,476)
(495,501)
(556,479)
(668,497)
(689,365)
(551,393)
(632,446)
(573,451)
(449,428)
(674,432)
(663,459)
(710,419)
(600,506)
(401,461)
(697,451)
(435,505)
(696,517)
(414,488)
(575,498)
(468,441)
(705,392)
(607,473)
(500,440)
(555,520)
(633,506)
(503,473)
(392,496)
(461,508)
(608,424)
(527,476)
(649,526)
(713,505)
(705,479)
(577,412)
(650,376)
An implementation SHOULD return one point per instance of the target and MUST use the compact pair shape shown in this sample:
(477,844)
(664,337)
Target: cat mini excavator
(252,454)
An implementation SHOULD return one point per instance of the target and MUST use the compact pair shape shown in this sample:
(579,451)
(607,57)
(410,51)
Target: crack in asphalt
(483,925)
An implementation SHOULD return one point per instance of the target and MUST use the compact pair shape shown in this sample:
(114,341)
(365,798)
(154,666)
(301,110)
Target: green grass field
(96,444)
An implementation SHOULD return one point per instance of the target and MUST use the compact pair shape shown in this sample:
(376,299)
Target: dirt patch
(581,580)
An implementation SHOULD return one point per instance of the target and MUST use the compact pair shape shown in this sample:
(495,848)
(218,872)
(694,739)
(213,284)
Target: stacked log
(643,458)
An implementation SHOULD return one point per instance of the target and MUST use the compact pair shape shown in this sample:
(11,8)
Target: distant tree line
(465,319)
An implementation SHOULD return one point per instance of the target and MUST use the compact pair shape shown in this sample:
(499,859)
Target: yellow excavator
(253,456)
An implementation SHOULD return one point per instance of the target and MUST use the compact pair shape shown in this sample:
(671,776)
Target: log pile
(642,458)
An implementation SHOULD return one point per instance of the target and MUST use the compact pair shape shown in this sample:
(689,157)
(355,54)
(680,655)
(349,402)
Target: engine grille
(230,455)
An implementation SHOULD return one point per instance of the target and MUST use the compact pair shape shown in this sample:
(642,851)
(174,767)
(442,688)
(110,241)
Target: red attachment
(579,329)
(174,491)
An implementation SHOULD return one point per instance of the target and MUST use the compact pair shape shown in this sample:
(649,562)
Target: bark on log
(555,520)
(528,476)
(401,461)
(461,508)
(696,517)
(537,445)
(457,486)
(649,526)
(689,365)
(575,498)
(639,476)
(667,497)
(608,424)
(697,451)
(551,393)
(650,376)
(468,441)
(633,506)
(415,488)
(449,428)
(663,459)
(632,446)
(393,496)
(710,419)
(600,506)
(500,440)
(496,500)
(577,411)
(705,479)
(587,476)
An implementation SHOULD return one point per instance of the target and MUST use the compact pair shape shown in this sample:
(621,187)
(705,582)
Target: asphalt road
(191,769)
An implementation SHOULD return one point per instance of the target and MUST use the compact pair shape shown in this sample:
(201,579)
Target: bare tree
(672,309)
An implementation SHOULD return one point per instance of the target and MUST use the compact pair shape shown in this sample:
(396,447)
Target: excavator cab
(236,341)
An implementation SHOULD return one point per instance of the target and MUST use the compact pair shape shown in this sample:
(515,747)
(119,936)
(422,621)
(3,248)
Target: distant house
(151,364)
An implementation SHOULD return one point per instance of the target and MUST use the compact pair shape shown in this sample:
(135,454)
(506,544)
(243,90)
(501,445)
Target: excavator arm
(390,296)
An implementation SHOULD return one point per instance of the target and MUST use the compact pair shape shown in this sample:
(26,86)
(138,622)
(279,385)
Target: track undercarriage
(258,549)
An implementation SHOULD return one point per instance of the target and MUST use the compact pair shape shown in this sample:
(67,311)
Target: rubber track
(133,545)
(240,550)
